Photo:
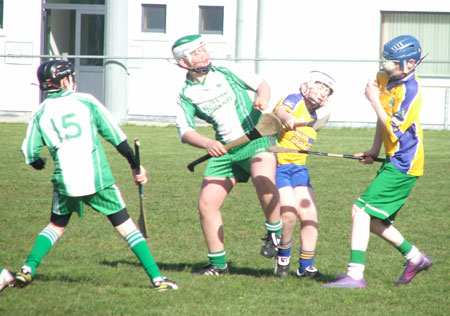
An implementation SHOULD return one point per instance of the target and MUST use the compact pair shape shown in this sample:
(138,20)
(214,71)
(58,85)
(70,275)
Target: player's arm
(111,131)
(372,93)
(376,146)
(262,96)
(289,121)
(31,147)
(213,147)
(185,122)
(125,150)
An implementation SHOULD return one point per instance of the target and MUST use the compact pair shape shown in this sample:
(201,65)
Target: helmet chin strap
(199,70)
(202,70)
(314,104)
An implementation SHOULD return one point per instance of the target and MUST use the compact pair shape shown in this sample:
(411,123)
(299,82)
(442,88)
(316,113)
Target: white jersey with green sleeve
(69,124)
(222,100)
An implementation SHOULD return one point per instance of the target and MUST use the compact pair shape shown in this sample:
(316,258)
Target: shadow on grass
(193,267)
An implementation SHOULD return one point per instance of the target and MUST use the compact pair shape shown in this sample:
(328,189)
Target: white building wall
(312,30)
(20,35)
(331,30)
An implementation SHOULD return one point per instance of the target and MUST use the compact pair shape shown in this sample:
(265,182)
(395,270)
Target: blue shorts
(292,175)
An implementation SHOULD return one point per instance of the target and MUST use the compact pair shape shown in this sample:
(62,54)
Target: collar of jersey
(61,93)
(390,85)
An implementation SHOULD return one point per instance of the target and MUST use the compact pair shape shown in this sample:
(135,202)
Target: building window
(154,18)
(433,32)
(211,20)
(1,14)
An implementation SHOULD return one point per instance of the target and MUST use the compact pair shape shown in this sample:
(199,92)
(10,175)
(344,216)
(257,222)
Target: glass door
(89,41)
(78,30)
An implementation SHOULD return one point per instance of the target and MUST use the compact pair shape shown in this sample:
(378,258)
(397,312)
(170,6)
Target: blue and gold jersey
(302,137)
(403,136)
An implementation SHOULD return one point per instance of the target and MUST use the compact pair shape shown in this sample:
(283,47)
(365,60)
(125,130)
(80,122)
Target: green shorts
(236,162)
(107,201)
(387,193)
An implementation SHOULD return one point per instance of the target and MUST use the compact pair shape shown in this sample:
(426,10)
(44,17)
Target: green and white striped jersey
(69,124)
(221,100)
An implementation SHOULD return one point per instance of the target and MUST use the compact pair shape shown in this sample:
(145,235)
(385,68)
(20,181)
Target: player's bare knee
(57,229)
(355,209)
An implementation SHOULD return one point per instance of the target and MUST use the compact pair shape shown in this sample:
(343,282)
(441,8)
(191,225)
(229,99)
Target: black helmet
(51,72)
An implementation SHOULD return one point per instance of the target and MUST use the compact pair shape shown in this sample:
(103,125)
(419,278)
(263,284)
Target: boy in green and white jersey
(69,124)
(220,96)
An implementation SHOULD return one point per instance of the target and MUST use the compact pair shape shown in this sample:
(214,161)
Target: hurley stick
(142,222)
(268,125)
(277,149)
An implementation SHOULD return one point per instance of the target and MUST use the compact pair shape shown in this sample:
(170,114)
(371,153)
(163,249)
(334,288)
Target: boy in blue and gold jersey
(292,177)
(396,98)
(401,99)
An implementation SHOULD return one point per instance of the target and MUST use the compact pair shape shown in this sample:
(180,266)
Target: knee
(355,210)
(288,215)
(58,223)
(57,229)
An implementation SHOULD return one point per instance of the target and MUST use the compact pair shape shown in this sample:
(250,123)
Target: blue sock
(284,249)
(306,259)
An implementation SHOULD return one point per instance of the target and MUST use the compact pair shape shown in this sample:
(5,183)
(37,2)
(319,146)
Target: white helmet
(310,82)
(184,46)
(319,76)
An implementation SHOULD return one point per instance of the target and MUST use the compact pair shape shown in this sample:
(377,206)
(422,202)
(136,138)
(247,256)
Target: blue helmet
(401,49)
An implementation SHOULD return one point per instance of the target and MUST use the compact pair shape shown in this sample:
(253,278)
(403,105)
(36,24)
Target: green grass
(91,271)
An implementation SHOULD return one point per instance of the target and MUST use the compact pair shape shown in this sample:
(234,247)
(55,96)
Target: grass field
(91,271)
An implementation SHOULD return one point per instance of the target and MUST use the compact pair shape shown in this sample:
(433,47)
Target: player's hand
(215,148)
(260,104)
(39,163)
(366,157)
(140,178)
(291,123)
(372,92)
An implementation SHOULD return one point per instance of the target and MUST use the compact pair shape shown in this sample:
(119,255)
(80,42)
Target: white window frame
(202,10)
(143,16)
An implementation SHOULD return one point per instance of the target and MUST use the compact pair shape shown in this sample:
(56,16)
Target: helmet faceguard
(317,88)
(183,48)
(51,73)
(399,51)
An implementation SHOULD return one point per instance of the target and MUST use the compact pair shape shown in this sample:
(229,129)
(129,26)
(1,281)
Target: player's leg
(126,227)
(288,210)
(262,171)
(399,189)
(358,243)
(212,195)
(109,202)
(309,231)
(416,261)
(62,208)
(382,200)
(6,278)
